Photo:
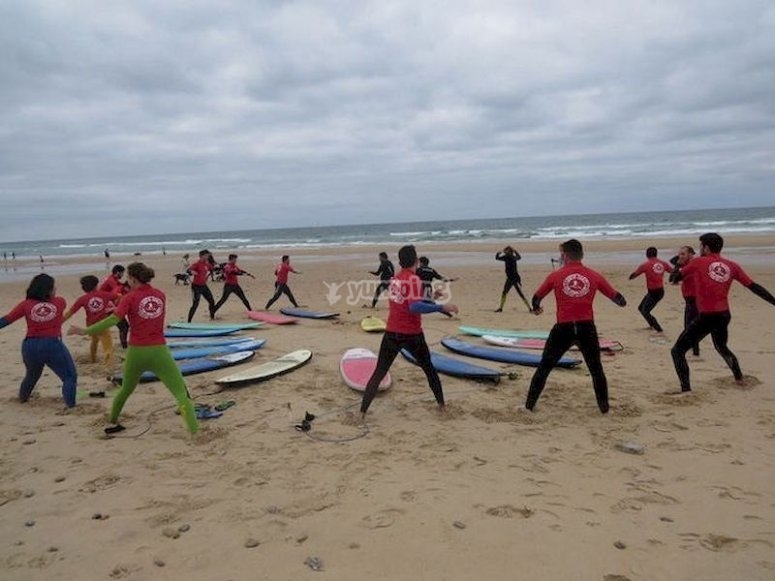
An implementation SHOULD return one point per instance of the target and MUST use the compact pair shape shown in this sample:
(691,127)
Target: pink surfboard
(356,367)
(272,318)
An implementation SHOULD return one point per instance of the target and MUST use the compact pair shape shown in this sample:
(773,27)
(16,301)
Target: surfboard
(480,331)
(457,368)
(502,355)
(307,314)
(206,351)
(517,343)
(272,318)
(216,326)
(172,333)
(207,342)
(199,365)
(356,367)
(284,364)
(372,324)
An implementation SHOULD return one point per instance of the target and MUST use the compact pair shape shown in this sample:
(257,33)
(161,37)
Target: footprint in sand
(509,511)
(382,519)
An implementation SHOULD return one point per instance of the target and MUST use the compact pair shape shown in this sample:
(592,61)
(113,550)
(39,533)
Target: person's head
(232,257)
(685,254)
(711,243)
(118,271)
(407,256)
(285,258)
(651,252)
(140,272)
(204,254)
(424,261)
(89,283)
(508,250)
(41,287)
(383,255)
(572,249)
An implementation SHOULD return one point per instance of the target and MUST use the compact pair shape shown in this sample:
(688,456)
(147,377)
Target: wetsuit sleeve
(517,255)
(3,322)
(541,292)
(425,307)
(761,292)
(102,325)
(605,287)
(499,256)
(637,272)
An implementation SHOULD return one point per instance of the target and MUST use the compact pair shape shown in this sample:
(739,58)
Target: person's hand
(450,309)
(75,330)
(537,311)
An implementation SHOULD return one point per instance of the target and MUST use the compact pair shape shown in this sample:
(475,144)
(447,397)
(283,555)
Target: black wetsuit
(512,276)
(385,273)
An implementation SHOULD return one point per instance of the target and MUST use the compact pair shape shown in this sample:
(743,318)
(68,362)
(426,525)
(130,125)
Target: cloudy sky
(190,115)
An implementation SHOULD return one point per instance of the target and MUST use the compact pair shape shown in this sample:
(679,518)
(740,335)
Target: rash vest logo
(719,272)
(657,268)
(150,308)
(576,285)
(43,312)
(95,305)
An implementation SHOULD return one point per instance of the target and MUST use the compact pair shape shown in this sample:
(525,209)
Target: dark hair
(573,249)
(651,252)
(689,249)
(232,256)
(407,256)
(204,252)
(141,272)
(41,287)
(89,282)
(118,269)
(424,260)
(285,257)
(713,241)
(383,255)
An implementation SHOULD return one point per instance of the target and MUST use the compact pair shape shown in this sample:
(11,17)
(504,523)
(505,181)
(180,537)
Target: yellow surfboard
(373,325)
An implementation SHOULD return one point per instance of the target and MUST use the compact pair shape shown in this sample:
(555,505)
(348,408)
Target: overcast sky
(190,115)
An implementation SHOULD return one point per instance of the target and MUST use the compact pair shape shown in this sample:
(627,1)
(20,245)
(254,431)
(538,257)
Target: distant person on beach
(43,346)
(231,274)
(200,272)
(574,287)
(13,255)
(689,293)
(428,275)
(107,254)
(404,328)
(510,257)
(712,275)
(116,287)
(42,262)
(185,260)
(385,272)
(145,307)
(281,282)
(98,305)
(654,269)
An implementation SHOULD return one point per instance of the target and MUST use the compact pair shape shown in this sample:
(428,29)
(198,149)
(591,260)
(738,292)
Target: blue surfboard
(206,351)
(200,365)
(457,368)
(305,314)
(171,333)
(502,355)
(207,342)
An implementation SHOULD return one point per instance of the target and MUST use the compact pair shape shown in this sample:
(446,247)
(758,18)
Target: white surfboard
(284,364)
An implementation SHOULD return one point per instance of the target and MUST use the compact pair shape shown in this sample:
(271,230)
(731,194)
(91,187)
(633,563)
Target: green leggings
(155,358)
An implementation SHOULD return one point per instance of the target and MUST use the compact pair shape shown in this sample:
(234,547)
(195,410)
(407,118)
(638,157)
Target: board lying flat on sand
(481,331)
(517,343)
(200,365)
(272,318)
(206,351)
(172,333)
(214,342)
(502,355)
(356,367)
(267,370)
(457,368)
(216,326)
(306,314)
(373,324)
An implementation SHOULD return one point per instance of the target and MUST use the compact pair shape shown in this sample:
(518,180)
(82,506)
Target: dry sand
(481,493)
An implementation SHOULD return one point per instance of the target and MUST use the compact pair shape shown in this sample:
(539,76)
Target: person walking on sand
(145,307)
(654,269)
(404,328)
(201,270)
(510,257)
(281,282)
(43,347)
(98,305)
(685,254)
(231,274)
(713,275)
(574,287)
(385,272)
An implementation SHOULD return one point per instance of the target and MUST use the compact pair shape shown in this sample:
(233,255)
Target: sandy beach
(482,492)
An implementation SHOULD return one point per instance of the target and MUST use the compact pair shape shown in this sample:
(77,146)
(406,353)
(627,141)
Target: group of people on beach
(139,310)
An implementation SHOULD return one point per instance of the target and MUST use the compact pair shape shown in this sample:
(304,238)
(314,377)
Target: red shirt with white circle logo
(574,287)
(404,289)
(144,307)
(97,304)
(712,275)
(654,269)
(44,318)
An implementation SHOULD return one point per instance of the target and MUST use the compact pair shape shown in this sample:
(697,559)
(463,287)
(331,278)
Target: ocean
(646,225)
